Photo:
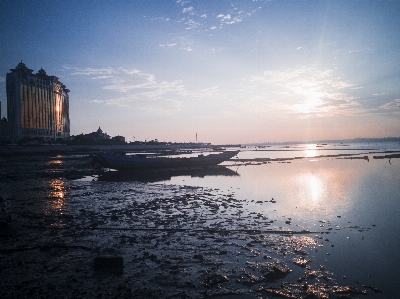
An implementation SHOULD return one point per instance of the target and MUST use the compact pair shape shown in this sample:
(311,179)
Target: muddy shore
(70,238)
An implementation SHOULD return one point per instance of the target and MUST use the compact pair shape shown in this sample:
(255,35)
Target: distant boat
(143,162)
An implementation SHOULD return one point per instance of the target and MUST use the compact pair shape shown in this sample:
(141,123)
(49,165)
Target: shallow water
(205,233)
(354,202)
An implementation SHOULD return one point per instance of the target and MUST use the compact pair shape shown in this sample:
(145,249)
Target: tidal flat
(313,228)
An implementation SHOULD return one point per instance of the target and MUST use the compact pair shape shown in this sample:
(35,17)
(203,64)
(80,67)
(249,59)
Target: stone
(109,265)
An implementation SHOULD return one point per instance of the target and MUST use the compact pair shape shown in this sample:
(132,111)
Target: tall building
(37,105)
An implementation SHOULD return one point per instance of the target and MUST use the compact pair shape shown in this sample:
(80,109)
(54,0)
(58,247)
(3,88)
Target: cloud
(97,101)
(204,21)
(234,16)
(191,24)
(211,92)
(229,20)
(224,17)
(102,77)
(305,92)
(89,71)
(139,87)
(262,105)
(166,107)
(234,20)
(168,45)
(181,2)
(394,105)
(341,84)
(188,9)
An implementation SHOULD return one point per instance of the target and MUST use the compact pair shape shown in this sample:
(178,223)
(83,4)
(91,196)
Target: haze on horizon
(230,71)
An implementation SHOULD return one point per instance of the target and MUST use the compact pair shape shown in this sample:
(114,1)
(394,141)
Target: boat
(143,162)
(164,174)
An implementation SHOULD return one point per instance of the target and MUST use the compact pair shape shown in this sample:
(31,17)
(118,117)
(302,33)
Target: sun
(311,104)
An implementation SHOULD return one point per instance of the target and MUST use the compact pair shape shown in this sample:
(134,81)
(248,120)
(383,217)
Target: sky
(229,71)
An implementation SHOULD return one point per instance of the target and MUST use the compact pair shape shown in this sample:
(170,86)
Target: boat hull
(124,162)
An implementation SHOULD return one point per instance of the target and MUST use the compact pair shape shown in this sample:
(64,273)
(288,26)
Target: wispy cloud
(206,19)
(140,89)
(168,45)
(233,16)
(191,23)
(393,106)
(199,19)
(304,92)
(262,106)
(98,71)
(282,93)
(187,9)
(182,2)
(169,107)
(211,92)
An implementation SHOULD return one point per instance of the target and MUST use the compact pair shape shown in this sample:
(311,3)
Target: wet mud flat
(69,238)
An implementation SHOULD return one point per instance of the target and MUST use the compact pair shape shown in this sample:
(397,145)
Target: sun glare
(315,187)
(310,150)
(311,104)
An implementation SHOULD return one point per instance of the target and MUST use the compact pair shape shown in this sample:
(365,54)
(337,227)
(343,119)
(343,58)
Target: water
(195,230)
(354,202)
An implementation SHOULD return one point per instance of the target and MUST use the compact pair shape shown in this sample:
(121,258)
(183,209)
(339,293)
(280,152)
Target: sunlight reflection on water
(313,186)
(58,193)
(310,151)
(310,190)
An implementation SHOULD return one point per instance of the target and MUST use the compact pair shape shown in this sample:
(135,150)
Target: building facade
(37,105)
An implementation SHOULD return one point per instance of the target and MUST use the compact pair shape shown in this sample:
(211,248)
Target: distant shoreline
(354,140)
(16,150)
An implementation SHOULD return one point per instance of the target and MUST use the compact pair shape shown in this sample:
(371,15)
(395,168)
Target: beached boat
(136,162)
(164,174)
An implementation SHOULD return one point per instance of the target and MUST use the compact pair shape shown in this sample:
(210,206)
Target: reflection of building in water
(37,105)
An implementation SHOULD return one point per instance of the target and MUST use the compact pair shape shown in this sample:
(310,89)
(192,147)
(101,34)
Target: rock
(374,289)
(275,271)
(3,225)
(199,257)
(109,265)
(301,262)
(216,279)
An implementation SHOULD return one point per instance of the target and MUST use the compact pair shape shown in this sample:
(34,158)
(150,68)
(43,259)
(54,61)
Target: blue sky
(230,71)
